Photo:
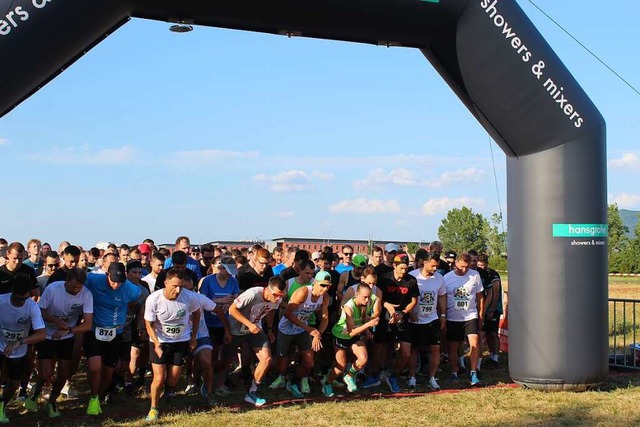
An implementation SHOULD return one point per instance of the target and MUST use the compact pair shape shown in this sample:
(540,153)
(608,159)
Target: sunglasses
(52,265)
(324,285)
(277,295)
(347,253)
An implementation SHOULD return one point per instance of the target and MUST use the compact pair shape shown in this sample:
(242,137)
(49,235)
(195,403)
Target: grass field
(496,402)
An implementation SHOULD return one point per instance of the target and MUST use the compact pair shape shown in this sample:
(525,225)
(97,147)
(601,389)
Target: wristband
(443,315)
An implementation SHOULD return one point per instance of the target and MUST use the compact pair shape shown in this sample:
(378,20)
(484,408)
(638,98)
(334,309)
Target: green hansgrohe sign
(580,230)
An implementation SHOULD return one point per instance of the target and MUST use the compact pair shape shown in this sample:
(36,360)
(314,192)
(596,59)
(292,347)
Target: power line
(585,47)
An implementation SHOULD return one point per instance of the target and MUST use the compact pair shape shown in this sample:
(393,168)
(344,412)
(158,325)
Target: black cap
(116,272)
(134,263)
(450,254)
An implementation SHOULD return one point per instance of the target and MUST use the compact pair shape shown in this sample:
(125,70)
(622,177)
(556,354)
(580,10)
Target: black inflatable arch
(501,68)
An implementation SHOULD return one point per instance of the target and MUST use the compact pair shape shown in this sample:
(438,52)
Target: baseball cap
(316,256)
(229,264)
(133,264)
(117,272)
(450,254)
(323,277)
(391,247)
(144,248)
(359,261)
(401,259)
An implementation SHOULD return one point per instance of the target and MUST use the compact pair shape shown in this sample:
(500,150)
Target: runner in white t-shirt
(63,305)
(19,313)
(201,362)
(169,315)
(465,312)
(247,312)
(427,319)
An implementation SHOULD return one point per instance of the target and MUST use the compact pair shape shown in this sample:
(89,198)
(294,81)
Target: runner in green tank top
(348,333)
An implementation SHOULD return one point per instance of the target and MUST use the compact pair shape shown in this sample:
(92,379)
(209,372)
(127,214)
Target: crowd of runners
(293,320)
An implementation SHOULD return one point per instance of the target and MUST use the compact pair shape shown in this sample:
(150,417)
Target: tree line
(463,229)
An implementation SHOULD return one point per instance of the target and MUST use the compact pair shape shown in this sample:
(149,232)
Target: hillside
(629,218)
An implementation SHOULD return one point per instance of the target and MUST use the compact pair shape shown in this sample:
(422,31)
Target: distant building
(312,245)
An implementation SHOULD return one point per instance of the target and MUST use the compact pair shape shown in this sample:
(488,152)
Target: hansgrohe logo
(580,230)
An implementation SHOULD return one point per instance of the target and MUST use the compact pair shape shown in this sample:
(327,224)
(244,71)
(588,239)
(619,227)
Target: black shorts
(15,366)
(216,335)
(386,333)
(458,331)
(346,343)
(173,353)
(109,350)
(423,335)
(55,349)
(286,343)
(491,326)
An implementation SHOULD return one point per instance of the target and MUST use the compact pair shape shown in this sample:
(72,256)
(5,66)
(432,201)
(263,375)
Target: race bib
(426,309)
(12,336)
(173,331)
(462,305)
(304,317)
(105,334)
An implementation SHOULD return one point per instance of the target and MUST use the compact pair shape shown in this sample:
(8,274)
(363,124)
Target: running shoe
(223,391)
(434,384)
(412,383)
(474,379)
(152,416)
(294,390)
(190,389)
(203,391)
(52,409)
(454,376)
(279,382)
(31,404)
(304,385)
(392,382)
(3,416)
(372,381)
(254,399)
(327,390)
(69,391)
(94,406)
(350,381)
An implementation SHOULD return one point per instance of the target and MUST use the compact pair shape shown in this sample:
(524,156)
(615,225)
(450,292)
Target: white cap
(316,255)
(391,247)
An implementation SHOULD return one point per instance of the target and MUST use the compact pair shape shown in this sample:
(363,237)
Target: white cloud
(284,214)
(405,178)
(442,205)
(84,155)
(365,206)
(625,201)
(212,155)
(4,141)
(458,177)
(395,177)
(628,161)
(292,180)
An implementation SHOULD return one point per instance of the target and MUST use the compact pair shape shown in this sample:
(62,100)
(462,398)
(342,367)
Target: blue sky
(221,134)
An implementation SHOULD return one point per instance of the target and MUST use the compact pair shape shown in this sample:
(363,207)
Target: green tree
(412,247)
(496,239)
(618,239)
(463,230)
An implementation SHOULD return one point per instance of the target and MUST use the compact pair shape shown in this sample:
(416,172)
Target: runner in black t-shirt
(399,297)
(14,268)
(70,258)
(257,275)
(294,270)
